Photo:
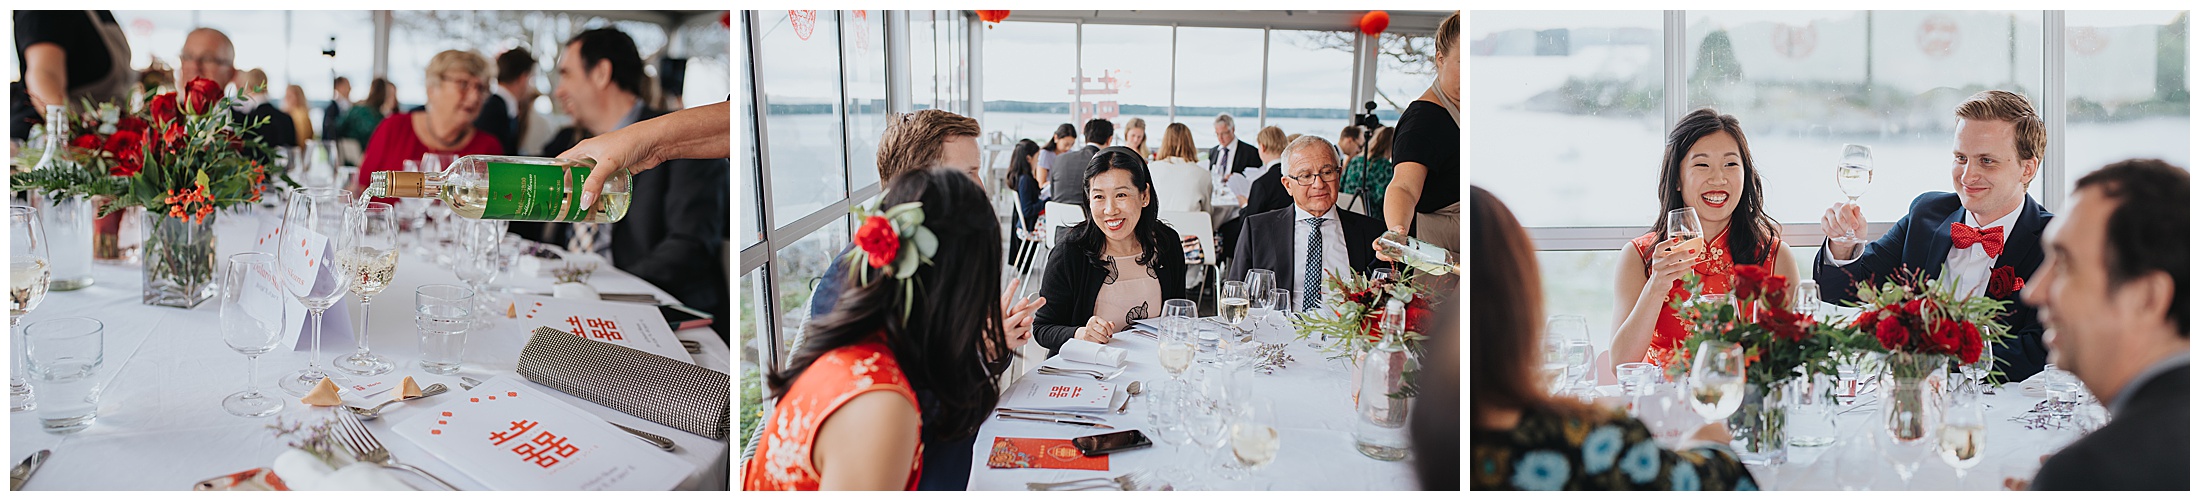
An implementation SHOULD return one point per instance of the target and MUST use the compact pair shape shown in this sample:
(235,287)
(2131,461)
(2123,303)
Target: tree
(1412,55)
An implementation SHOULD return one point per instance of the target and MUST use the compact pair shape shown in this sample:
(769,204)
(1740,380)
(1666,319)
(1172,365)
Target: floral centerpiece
(182,158)
(1351,313)
(1778,345)
(1921,325)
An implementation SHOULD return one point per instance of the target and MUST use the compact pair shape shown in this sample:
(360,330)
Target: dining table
(161,425)
(1314,419)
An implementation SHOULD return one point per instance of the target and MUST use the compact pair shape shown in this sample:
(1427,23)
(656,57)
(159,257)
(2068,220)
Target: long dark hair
(954,325)
(1506,335)
(1019,162)
(1750,232)
(1087,235)
(1060,131)
(378,94)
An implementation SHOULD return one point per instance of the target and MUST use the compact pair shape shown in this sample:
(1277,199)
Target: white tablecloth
(161,425)
(1313,404)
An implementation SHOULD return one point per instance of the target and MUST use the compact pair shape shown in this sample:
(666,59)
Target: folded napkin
(659,389)
(300,471)
(1051,453)
(1079,350)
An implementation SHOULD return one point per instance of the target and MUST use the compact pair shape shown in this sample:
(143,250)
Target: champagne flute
(1963,432)
(313,212)
(251,327)
(1236,302)
(1854,174)
(371,258)
(1715,380)
(28,276)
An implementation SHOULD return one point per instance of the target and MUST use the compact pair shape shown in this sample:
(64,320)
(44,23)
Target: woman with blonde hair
(1180,183)
(301,113)
(1134,136)
(458,83)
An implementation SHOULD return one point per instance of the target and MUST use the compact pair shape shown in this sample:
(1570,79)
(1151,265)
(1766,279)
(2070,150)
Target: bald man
(207,53)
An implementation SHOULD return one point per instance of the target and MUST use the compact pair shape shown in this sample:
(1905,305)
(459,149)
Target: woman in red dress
(848,416)
(1707,166)
(458,82)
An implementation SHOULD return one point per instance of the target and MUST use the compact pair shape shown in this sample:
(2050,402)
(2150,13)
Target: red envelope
(1047,453)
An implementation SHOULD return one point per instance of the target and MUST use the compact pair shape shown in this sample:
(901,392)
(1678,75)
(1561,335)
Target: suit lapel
(1936,255)
(2022,244)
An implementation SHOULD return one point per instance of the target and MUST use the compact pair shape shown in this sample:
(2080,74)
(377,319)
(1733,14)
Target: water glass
(1963,433)
(252,324)
(65,356)
(1253,437)
(1178,314)
(1806,297)
(1636,378)
(1811,418)
(442,313)
(1260,281)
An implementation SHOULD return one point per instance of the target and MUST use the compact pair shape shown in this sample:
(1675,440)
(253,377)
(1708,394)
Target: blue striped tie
(1310,286)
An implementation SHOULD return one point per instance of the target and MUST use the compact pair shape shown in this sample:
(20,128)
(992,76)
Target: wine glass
(1253,437)
(251,326)
(1855,464)
(1259,281)
(313,212)
(1165,412)
(1854,174)
(477,264)
(1176,351)
(1279,301)
(28,276)
(1683,223)
(370,256)
(1715,380)
(320,167)
(1963,432)
(1573,332)
(1236,302)
(1208,417)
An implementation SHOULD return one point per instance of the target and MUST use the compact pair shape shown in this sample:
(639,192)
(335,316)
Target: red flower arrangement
(1353,315)
(180,155)
(1910,315)
(1775,339)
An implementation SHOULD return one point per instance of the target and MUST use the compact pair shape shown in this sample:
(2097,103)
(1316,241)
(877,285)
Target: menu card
(1058,393)
(510,436)
(1050,453)
(335,323)
(637,326)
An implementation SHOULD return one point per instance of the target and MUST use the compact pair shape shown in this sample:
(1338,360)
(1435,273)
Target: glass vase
(1760,426)
(107,239)
(68,222)
(1384,401)
(1910,395)
(179,260)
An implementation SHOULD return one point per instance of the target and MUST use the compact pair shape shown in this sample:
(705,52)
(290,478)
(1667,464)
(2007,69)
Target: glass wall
(801,100)
(1578,93)
(1221,70)
(1309,84)
(2126,86)
(863,50)
(1127,76)
(1027,90)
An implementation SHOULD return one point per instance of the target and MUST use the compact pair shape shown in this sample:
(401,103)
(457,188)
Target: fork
(1122,483)
(353,433)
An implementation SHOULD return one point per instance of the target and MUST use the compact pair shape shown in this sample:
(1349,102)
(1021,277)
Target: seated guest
(1367,176)
(1349,140)
(1522,438)
(1230,156)
(1134,137)
(1312,239)
(1179,183)
(1988,227)
(365,117)
(1065,137)
(848,416)
(1025,180)
(2113,293)
(1261,191)
(505,113)
(1707,167)
(457,82)
(339,102)
(301,112)
(207,53)
(1117,266)
(280,131)
(1068,172)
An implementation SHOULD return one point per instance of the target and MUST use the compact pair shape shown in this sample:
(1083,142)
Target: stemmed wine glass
(1963,432)
(28,275)
(477,264)
(1165,412)
(314,212)
(1854,174)
(1209,414)
(1573,331)
(1236,302)
(251,327)
(371,258)
(1177,350)
(1715,380)
(1683,223)
(1257,284)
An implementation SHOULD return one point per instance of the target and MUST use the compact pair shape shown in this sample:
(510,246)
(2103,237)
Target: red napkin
(1046,453)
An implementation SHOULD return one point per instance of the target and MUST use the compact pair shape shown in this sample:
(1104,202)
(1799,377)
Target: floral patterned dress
(1608,451)
(782,461)
(1718,278)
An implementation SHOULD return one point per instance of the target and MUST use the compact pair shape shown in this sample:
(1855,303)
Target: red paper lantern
(1374,22)
(992,16)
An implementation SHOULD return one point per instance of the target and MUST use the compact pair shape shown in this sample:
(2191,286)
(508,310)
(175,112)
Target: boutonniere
(2004,284)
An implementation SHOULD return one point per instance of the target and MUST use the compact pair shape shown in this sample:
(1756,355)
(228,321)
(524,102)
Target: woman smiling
(1117,266)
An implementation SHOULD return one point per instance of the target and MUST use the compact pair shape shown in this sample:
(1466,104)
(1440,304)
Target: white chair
(1059,215)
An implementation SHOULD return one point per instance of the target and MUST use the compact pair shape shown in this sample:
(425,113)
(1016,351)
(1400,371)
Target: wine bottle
(511,189)
(1416,253)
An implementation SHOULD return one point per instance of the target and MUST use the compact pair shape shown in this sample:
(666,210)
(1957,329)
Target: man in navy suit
(1986,235)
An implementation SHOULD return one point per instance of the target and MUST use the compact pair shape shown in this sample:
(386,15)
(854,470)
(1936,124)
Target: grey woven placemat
(647,386)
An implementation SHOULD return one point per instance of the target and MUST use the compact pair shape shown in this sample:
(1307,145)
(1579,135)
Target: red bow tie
(1966,236)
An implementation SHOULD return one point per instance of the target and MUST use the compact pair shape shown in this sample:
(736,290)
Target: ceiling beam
(1401,21)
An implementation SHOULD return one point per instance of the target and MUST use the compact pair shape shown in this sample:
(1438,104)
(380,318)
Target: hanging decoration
(992,17)
(1374,22)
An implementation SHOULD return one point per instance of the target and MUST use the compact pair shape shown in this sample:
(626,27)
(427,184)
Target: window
(1309,86)
(1219,73)
(2127,90)
(1562,97)
(751,176)
(1027,86)
(798,268)
(1127,76)
(311,70)
(753,348)
(924,66)
(802,112)
(1403,70)
(863,50)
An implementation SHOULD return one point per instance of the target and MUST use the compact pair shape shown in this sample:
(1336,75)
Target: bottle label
(533,192)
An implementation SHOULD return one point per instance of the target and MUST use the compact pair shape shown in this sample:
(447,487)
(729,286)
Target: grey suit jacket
(1068,174)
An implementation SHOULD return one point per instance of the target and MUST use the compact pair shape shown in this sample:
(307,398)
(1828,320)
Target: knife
(1060,421)
(1071,415)
(23,471)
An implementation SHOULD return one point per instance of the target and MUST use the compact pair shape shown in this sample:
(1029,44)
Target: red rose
(1973,342)
(878,239)
(171,138)
(199,95)
(1417,312)
(132,124)
(1945,336)
(1749,281)
(1786,325)
(1890,332)
(1866,320)
(121,141)
(162,108)
(1776,289)
(2004,284)
(85,142)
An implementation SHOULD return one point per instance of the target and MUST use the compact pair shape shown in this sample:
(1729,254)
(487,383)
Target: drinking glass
(28,275)
(442,313)
(1208,414)
(251,326)
(371,258)
(1236,302)
(1806,297)
(1854,174)
(1682,222)
(1573,332)
(1279,301)
(65,357)
(1176,351)
(477,264)
(1715,380)
(1554,365)
(1259,281)
(1253,437)
(320,166)
(313,211)
(1812,419)
(1165,413)
(1635,378)
(1963,432)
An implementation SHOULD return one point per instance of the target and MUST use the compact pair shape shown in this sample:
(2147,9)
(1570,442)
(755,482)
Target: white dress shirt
(1969,266)
(1335,257)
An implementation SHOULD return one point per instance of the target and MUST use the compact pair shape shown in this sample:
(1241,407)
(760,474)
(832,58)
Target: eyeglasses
(1326,175)
(203,60)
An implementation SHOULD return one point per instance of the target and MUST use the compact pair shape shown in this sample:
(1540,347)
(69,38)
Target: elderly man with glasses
(1311,238)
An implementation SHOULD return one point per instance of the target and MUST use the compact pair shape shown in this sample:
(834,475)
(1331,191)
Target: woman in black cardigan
(1118,265)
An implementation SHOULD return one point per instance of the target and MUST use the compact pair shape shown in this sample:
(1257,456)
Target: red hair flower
(878,239)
